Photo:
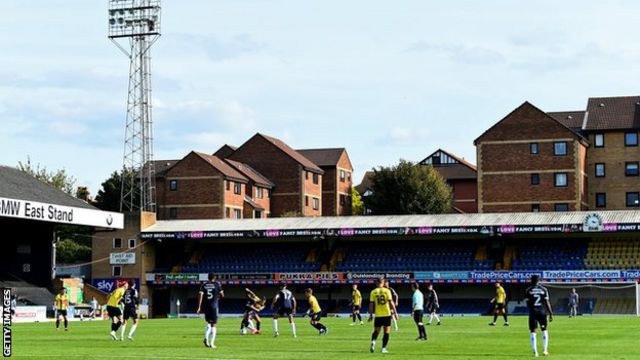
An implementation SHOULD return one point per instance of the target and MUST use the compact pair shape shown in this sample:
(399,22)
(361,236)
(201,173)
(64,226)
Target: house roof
(323,157)
(224,151)
(365,184)
(570,119)
(613,113)
(251,173)
(459,169)
(226,169)
(253,204)
(306,163)
(16,184)
(163,165)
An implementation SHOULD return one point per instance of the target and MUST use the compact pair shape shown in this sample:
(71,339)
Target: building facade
(530,161)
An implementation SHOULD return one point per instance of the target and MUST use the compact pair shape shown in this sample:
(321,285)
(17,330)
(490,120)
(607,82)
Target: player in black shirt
(284,303)
(209,295)
(252,299)
(394,298)
(433,305)
(539,307)
(130,301)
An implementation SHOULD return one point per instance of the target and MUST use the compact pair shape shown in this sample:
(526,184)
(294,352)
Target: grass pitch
(458,338)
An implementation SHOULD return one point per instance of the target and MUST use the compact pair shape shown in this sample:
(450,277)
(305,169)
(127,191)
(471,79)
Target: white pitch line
(122,357)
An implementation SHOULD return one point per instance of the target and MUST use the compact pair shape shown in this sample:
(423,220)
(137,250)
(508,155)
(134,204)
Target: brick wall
(311,190)
(232,200)
(465,195)
(344,187)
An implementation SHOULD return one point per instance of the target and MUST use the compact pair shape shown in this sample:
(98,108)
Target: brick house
(298,181)
(336,180)
(612,125)
(460,175)
(257,200)
(531,161)
(201,186)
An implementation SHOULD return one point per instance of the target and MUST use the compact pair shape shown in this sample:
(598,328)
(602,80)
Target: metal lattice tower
(137,21)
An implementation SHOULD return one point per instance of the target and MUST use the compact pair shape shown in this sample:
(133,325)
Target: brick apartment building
(298,181)
(460,175)
(532,161)
(336,180)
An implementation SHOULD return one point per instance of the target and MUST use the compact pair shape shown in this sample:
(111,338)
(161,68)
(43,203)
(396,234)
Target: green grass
(458,338)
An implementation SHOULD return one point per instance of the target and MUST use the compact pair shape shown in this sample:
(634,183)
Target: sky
(387,80)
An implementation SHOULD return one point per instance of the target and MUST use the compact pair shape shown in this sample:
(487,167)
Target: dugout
(597,250)
(30,211)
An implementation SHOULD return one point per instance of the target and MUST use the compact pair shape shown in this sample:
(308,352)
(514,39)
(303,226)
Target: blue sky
(385,79)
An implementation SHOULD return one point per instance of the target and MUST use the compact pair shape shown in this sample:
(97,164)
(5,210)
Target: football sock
(244,324)
(322,327)
(293,329)
(359,317)
(118,324)
(316,325)
(505,317)
(113,326)
(385,340)
(250,324)
(214,331)
(66,323)
(258,325)
(430,318)
(395,323)
(495,317)
(122,330)
(57,323)
(374,336)
(207,332)
(545,340)
(534,346)
(275,326)
(353,317)
(437,317)
(421,331)
(133,329)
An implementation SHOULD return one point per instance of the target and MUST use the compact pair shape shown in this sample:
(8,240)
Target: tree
(109,196)
(58,179)
(357,206)
(408,188)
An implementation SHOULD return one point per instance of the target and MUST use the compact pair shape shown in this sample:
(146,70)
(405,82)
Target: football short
(536,318)
(499,306)
(130,313)
(381,321)
(431,309)
(284,311)
(211,315)
(315,316)
(62,312)
(113,311)
(356,307)
(417,316)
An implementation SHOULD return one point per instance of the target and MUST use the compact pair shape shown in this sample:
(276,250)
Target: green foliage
(69,251)
(58,179)
(357,206)
(408,188)
(109,196)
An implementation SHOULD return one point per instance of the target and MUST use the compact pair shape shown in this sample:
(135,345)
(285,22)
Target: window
(227,213)
(631,168)
(117,243)
(600,170)
(237,214)
(260,193)
(237,187)
(535,179)
(306,175)
(173,213)
(132,243)
(631,139)
(116,271)
(561,207)
(343,200)
(533,148)
(173,185)
(268,193)
(535,207)
(601,200)
(257,214)
(560,180)
(306,200)
(343,175)
(560,148)
(435,160)
(315,178)
(316,203)
(633,199)
(598,140)
(228,185)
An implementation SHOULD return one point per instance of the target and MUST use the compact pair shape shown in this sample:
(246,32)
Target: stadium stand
(411,257)
(550,256)
(613,254)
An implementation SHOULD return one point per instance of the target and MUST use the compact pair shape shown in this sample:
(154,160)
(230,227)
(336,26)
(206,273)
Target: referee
(418,306)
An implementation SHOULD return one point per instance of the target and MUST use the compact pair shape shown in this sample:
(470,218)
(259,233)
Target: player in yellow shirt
(381,304)
(315,312)
(499,305)
(356,302)
(61,304)
(113,308)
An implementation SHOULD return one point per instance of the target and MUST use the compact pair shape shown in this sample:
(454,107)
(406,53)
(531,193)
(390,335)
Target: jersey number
(127,299)
(209,294)
(538,300)
(381,300)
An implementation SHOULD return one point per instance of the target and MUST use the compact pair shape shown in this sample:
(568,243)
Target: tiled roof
(226,169)
(224,151)
(253,204)
(306,163)
(323,157)
(613,113)
(251,173)
(365,184)
(163,165)
(570,119)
